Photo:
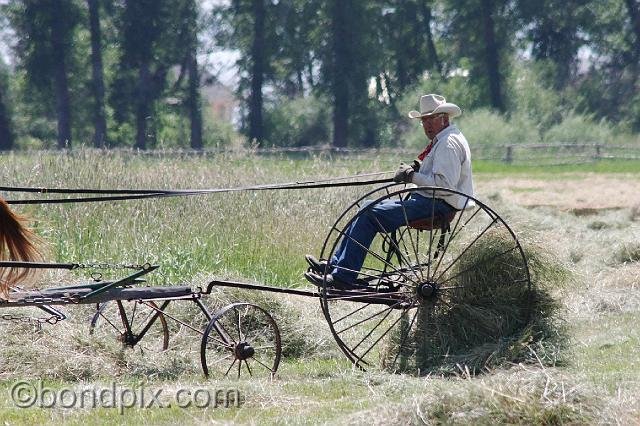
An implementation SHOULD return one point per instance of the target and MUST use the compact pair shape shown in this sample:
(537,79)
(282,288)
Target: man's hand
(404,173)
(416,165)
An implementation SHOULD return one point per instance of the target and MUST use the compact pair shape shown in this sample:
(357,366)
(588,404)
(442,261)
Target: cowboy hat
(435,104)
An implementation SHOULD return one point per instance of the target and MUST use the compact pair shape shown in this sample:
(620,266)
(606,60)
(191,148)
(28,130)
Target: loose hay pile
(485,323)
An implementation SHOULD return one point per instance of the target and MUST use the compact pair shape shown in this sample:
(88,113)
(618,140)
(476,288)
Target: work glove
(416,165)
(404,173)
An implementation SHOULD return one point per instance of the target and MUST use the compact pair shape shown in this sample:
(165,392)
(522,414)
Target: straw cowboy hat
(435,104)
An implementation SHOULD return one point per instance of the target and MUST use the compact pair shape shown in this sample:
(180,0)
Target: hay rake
(420,277)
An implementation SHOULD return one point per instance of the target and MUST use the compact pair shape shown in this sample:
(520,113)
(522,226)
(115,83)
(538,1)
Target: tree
(480,34)
(188,38)
(97,76)
(555,29)
(45,32)
(349,62)
(408,44)
(339,69)
(7,135)
(258,64)
(609,88)
(149,49)
(492,54)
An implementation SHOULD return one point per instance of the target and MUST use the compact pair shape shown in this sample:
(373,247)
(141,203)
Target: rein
(101,195)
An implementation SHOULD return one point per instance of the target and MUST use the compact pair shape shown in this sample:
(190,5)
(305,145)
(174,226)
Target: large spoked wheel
(133,323)
(427,282)
(241,338)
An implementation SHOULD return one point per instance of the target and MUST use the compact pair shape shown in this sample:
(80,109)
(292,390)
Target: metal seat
(431,223)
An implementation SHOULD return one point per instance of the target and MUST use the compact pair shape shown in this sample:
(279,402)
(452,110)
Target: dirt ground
(584,194)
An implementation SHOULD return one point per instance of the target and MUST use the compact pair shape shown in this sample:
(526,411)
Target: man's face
(433,124)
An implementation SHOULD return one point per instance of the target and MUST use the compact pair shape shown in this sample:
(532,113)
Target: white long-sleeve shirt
(448,165)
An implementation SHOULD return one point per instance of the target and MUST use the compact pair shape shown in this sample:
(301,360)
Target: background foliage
(338,72)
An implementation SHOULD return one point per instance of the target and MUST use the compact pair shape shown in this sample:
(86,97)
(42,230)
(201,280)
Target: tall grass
(260,236)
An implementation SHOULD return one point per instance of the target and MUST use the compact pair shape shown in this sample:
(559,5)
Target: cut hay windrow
(488,322)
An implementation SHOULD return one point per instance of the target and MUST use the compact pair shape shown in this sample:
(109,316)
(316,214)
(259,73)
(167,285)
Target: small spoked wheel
(241,338)
(133,323)
(426,280)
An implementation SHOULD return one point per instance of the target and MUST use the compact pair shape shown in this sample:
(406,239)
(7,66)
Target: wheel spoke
(230,367)
(222,343)
(239,327)
(220,360)
(110,323)
(133,314)
(224,333)
(263,364)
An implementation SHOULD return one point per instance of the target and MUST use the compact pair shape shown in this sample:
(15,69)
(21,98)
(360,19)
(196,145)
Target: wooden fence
(520,154)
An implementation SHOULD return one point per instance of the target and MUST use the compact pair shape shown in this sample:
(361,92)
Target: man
(445,162)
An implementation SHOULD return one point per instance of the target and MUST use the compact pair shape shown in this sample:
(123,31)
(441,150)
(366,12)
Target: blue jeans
(384,217)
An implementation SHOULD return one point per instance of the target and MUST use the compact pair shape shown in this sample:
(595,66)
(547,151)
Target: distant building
(220,102)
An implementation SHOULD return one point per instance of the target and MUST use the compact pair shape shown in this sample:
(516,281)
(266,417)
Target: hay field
(588,223)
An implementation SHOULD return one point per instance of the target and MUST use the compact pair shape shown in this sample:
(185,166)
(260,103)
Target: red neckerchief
(426,151)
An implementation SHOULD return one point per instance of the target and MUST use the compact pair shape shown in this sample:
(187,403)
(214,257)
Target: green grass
(261,237)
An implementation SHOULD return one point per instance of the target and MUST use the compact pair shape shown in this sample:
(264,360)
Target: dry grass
(261,237)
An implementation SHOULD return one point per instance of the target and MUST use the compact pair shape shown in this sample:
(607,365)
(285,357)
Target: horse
(17,243)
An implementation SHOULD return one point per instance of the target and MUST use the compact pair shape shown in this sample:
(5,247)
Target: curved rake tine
(370,275)
(370,332)
(397,248)
(453,236)
(376,255)
(477,264)
(389,308)
(404,339)
(433,209)
(414,245)
(246,363)
(377,296)
(467,248)
(379,338)
(349,314)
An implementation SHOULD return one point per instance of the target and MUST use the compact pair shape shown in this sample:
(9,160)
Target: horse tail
(17,243)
